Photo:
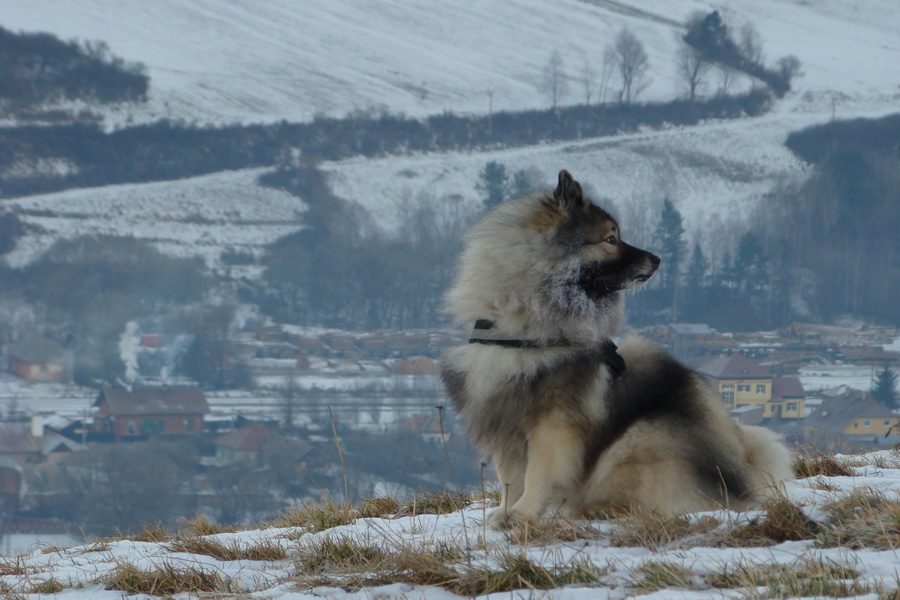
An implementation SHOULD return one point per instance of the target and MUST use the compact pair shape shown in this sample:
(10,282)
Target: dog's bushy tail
(770,461)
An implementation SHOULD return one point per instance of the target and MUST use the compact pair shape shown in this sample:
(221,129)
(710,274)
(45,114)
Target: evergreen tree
(520,183)
(493,182)
(750,265)
(670,244)
(696,284)
(885,388)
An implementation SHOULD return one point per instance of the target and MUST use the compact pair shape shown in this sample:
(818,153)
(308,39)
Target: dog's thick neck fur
(518,291)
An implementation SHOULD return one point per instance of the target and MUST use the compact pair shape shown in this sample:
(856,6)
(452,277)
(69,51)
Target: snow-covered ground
(200,216)
(624,569)
(226,61)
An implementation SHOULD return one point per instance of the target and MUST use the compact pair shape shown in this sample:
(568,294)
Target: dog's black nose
(654,260)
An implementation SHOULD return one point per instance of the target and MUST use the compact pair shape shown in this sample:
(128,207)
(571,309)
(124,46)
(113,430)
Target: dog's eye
(611,240)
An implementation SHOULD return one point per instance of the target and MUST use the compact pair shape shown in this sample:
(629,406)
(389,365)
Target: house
(743,382)
(11,476)
(249,445)
(851,421)
(36,358)
(430,428)
(141,412)
(29,444)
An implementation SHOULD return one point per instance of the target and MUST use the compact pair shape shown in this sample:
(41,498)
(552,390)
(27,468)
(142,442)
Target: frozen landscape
(829,535)
(223,62)
(240,62)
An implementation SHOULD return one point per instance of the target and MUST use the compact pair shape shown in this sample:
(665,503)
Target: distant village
(311,384)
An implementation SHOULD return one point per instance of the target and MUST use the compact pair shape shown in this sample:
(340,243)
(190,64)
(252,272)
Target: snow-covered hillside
(224,61)
(833,534)
(236,60)
(201,216)
(715,173)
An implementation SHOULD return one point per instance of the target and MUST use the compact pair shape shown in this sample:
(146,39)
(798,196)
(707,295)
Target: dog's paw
(501,518)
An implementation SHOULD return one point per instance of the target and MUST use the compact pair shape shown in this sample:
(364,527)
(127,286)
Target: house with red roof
(141,412)
(249,446)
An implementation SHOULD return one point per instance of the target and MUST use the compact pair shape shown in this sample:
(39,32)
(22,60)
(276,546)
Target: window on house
(44,368)
(729,397)
(743,388)
(760,389)
(727,386)
(867,423)
(189,425)
(792,407)
(131,428)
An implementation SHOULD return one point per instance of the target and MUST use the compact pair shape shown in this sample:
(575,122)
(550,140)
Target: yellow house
(851,421)
(744,383)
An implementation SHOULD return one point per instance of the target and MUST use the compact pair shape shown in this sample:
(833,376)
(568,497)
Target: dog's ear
(568,194)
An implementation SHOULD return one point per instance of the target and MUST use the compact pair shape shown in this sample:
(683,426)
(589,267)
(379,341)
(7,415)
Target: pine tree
(493,182)
(670,243)
(696,283)
(885,388)
(520,183)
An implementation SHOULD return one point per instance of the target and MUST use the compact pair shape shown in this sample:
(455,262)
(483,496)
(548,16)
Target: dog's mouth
(601,279)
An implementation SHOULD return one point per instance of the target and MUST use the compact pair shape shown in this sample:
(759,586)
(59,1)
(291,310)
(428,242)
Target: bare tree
(788,67)
(588,81)
(691,68)
(606,74)
(726,78)
(750,43)
(554,82)
(631,62)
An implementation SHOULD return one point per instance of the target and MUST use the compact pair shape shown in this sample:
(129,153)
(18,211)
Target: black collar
(484,333)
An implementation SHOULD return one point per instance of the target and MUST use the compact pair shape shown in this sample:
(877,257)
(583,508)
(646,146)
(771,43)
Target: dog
(574,425)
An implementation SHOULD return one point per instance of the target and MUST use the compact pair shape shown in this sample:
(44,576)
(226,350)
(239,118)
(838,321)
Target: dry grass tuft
(811,577)
(199,525)
(379,507)
(339,555)
(265,550)
(517,572)
(441,503)
(9,566)
(783,521)
(810,463)
(152,533)
(864,518)
(550,531)
(316,517)
(166,580)
(354,564)
(49,586)
(660,575)
(651,530)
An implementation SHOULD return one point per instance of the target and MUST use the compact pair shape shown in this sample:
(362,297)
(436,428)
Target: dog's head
(548,265)
(607,264)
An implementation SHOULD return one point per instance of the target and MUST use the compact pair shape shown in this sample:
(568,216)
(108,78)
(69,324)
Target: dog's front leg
(554,461)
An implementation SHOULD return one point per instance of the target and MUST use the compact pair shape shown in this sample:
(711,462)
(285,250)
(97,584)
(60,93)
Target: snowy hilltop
(834,533)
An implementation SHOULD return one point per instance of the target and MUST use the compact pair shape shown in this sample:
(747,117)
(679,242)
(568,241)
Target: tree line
(170,150)
(816,250)
(39,67)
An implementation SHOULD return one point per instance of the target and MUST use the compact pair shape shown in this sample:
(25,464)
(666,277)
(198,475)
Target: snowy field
(226,61)
(200,216)
(661,564)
